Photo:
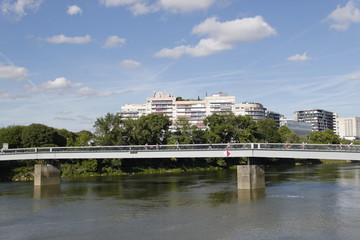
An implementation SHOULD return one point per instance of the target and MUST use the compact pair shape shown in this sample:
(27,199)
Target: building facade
(319,119)
(348,127)
(299,128)
(195,111)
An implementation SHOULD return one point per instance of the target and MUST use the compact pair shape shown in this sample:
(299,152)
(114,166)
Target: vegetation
(152,129)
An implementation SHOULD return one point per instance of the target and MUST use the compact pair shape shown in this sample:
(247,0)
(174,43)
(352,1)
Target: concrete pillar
(250,177)
(46,175)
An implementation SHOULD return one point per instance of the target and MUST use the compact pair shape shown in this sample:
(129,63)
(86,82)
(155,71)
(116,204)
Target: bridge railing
(189,147)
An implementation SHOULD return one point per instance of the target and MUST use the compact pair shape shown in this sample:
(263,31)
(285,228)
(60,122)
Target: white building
(348,127)
(193,110)
(254,110)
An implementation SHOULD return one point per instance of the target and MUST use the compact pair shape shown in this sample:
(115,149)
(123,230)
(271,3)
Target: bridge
(249,176)
(233,150)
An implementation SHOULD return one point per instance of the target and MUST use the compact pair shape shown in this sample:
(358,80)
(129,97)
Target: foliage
(267,131)
(227,127)
(287,135)
(37,135)
(83,138)
(12,136)
(323,137)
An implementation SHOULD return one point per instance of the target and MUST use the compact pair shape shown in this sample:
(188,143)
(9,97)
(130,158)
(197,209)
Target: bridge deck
(268,150)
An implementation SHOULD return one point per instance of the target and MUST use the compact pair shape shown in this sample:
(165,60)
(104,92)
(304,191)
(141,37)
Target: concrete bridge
(249,176)
(249,150)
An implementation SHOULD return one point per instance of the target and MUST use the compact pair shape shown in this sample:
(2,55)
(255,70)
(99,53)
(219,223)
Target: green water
(301,202)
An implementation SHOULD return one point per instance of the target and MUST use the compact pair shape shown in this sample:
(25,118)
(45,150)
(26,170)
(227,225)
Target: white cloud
(59,85)
(64,39)
(343,17)
(185,5)
(13,72)
(139,7)
(115,3)
(130,64)
(222,36)
(19,8)
(113,42)
(299,57)
(142,8)
(86,91)
(74,9)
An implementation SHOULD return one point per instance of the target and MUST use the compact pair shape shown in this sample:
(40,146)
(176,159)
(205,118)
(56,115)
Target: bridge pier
(46,174)
(250,177)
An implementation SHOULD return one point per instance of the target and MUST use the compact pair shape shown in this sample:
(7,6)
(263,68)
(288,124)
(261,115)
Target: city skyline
(66,63)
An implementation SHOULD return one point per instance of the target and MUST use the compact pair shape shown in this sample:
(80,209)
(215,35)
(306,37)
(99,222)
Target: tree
(108,130)
(37,135)
(287,135)
(226,127)
(267,130)
(68,135)
(151,129)
(185,133)
(324,137)
(12,136)
(83,138)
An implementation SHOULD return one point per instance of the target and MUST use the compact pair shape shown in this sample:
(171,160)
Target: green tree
(287,135)
(68,135)
(83,138)
(182,132)
(108,130)
(12,136)
(37,135)
(151,129)
(267,130)
(227,127)
(324,137)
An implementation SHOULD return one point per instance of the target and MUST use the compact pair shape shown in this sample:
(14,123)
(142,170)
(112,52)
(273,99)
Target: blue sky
(66,63)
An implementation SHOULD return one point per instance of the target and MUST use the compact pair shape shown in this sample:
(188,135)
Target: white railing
(189,147)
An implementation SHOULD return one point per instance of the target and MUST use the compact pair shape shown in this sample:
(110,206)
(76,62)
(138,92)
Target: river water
(300,202)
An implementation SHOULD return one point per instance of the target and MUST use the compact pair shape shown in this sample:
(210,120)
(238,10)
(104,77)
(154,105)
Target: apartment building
(348,127)
(255,110)
(319,119)
(193,110)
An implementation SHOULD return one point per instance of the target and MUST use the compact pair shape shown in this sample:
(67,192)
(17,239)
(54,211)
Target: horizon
(65,64)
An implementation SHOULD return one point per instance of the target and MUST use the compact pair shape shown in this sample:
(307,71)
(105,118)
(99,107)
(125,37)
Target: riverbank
(117,167)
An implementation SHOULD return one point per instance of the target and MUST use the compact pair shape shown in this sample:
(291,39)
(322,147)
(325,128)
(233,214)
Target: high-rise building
(195,111)
(320,119)
(348,127)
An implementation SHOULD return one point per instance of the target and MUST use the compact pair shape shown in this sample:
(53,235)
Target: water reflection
(46,192)
(246,196)
(301,202)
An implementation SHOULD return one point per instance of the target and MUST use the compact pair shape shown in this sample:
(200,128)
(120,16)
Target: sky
(66,63)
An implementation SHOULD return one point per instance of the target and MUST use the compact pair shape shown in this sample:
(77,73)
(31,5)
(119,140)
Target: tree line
(152,129)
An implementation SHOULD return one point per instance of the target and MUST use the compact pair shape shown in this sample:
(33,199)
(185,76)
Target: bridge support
(250,177)
(46,174)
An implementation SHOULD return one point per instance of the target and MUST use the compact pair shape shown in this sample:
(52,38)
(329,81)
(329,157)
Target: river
(299,202)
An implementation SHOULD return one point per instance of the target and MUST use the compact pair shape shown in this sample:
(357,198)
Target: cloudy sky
(66,63)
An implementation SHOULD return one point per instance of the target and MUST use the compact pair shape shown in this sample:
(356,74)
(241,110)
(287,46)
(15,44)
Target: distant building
(273,115)
(299,128)
(195,111)
(348,127)
(319,119)
(254,110)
